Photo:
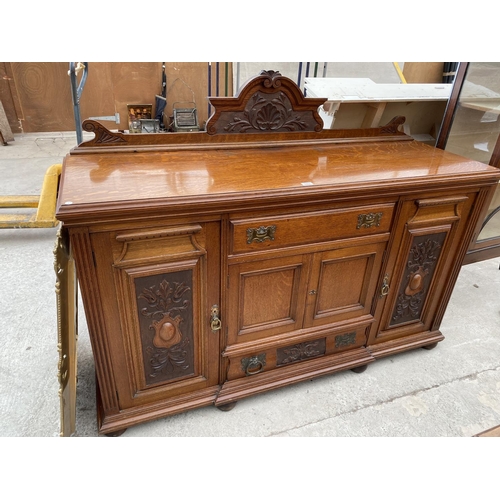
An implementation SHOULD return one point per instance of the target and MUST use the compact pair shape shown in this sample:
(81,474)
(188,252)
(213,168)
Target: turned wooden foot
(430,346)
(359,369)
(227,407)
(115,433)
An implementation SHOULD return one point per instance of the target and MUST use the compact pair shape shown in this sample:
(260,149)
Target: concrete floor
(453,390)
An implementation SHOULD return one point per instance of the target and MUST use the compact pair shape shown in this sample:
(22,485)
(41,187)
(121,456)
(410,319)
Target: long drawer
(283,354)
(257,234)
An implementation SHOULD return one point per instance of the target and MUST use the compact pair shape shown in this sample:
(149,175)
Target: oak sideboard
(260,252)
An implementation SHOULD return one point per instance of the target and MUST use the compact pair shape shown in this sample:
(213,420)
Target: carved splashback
(265,111)
(269,102)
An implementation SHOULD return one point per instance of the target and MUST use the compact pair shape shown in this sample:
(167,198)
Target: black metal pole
(76,92)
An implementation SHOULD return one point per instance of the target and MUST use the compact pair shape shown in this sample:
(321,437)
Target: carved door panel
(430,242)
(266,297)
(165,287)
(342,284)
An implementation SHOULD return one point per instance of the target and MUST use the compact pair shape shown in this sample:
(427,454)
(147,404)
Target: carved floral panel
(269,113)
(165,306)
(420,266)
(301,351)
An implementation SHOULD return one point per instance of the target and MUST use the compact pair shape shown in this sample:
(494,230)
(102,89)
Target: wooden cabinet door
(266,297)
(342,284)
(159,286)
(429,240)
(274,296)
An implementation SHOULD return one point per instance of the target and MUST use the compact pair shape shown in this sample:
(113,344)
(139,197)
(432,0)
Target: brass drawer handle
(369,220)
(215,322)
(260,234)
(253,365)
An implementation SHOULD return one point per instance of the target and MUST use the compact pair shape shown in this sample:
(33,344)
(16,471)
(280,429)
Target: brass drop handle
(385,286)
(215,322)
(254,364)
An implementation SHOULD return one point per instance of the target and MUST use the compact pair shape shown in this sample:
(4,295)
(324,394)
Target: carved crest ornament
(268,103)
(267,113)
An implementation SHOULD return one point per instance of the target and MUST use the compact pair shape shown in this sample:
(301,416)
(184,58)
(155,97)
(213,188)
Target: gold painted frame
(67,331)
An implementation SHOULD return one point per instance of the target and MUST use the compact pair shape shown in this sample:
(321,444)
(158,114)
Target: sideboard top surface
(177,178)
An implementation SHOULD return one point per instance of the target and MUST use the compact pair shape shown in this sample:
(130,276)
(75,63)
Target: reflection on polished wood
(96,183)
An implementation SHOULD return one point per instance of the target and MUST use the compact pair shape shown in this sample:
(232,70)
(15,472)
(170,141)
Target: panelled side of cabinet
(93,299)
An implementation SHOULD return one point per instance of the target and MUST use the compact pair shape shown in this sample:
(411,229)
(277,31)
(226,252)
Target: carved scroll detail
(301,351)
(271,78)
(345,340)
(102,134)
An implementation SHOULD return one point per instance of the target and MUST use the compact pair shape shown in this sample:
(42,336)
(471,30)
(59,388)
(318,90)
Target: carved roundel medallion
(167,331)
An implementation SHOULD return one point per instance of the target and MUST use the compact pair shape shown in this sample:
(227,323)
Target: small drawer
(250,235)
(284,354)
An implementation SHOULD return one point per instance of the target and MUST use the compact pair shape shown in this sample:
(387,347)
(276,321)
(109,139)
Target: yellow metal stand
(45,204)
